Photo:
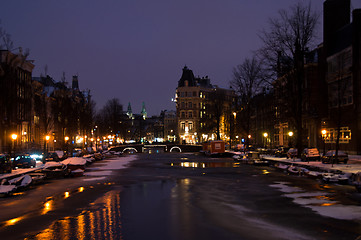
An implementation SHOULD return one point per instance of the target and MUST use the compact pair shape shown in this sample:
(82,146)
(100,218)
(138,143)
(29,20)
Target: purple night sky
(135,50)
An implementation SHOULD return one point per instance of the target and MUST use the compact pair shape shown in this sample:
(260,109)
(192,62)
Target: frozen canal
(182,196)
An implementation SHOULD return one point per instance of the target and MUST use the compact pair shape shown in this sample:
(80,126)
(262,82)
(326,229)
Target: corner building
(196,109)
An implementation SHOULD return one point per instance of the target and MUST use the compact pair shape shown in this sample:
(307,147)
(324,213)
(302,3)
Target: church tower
(143,112)
(129,111)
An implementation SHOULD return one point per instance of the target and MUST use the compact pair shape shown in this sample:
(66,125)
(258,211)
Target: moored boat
(281,166)
(75,163)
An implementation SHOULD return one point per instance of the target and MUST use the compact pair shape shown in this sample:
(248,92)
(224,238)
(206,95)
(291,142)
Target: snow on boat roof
(52,164)
(7,188)
(74,161)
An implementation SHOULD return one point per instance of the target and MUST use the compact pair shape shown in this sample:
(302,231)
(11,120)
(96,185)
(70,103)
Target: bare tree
(5,40)
(248,81)
(286,41)
(109,117)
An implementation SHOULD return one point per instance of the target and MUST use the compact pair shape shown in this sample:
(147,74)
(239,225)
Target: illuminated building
(203,109)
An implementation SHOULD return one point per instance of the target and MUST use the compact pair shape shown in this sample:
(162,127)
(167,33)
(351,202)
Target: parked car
(5,163)
(281,152)
(52,156)
(292,153)
(330,157)
(310,154)
(24,161)
(77,152)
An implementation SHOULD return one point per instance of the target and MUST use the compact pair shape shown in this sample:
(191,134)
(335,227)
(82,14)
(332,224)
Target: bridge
(156,148)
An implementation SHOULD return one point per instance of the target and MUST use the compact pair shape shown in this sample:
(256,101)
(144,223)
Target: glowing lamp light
(265,135)
(324,132)
(14,136)
(66,138)
(290,134)
(47,137)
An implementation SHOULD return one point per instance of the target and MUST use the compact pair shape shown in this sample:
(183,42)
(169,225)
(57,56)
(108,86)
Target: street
(182,196)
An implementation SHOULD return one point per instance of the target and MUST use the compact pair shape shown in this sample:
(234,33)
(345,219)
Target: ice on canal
(105,169)
(319,202)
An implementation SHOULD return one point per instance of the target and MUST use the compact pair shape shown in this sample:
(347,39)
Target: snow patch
(283,187)
(320,203)
(117,163)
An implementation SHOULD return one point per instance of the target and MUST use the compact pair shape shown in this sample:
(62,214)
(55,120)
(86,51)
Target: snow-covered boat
(21,182)
(98,156)
(281,166)
(116,153)
(6,190)
(89,159)
(54,170)
(74,163)
(261,162)
(295,170)
(335,178)
(37,177)
(313,174)
(238,156)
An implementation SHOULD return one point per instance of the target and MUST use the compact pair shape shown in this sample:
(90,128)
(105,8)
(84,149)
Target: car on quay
(5,163)
(292,153)
(51,157)
(310,154)
(330,157)
(24,161)
(281,152)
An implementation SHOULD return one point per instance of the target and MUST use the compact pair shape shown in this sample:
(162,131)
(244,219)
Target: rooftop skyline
(135,50)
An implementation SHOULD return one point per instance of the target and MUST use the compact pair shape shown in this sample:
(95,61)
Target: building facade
(203,110)
(15,100)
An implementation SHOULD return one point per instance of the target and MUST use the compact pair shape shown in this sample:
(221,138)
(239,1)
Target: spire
(129,111)
(143,112)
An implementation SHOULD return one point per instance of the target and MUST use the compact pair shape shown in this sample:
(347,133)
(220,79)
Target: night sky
(135,50)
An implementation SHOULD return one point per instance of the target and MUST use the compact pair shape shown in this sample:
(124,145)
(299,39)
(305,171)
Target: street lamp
(66,138)
(231,129)
(265,135)
(47,138)
(324,132)
(14,137)
(290,134)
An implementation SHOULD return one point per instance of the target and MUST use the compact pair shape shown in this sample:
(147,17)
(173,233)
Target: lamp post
(231,128)
(290,134)
(13,137)
(47,138)
(66,138)
(324,132)
(265,135)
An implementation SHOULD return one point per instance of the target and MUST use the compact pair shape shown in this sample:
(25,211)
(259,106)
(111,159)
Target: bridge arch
(175,149)
(129,149)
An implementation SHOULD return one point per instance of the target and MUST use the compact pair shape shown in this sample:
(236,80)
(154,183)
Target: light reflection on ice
(319,202)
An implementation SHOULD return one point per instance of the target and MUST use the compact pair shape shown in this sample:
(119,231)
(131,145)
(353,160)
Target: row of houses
(38,113)
(330,93)
(331,102)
